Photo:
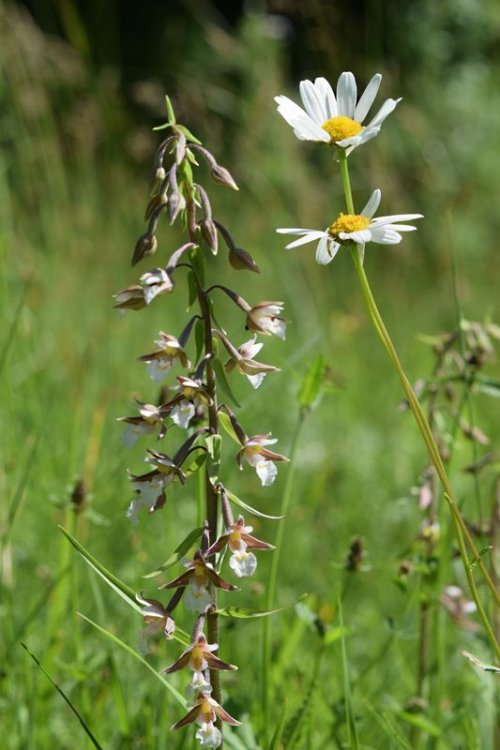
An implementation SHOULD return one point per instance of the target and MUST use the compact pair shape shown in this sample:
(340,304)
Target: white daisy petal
(326,95)
(366,135)
(403,227)
(367,98)
(380,220)
(307,130)
(385,236)
(313,105)
(309,237)
(373,203)
(346,94)
(361,237)
(295,116)
(294,230)
(287,108)
(326,251)
(387,107)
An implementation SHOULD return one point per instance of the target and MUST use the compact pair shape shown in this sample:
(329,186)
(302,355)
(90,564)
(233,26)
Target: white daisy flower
(354,228)
(336,120)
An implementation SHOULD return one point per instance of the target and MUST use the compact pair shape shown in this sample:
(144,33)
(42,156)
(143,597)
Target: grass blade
(175,693)
(85,728)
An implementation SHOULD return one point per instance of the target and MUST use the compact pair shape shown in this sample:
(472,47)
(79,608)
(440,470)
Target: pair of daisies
(336,120)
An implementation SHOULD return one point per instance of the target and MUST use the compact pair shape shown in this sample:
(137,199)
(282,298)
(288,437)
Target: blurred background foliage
(82,84)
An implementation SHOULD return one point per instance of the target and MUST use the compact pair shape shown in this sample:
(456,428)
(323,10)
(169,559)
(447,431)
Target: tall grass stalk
(266,679)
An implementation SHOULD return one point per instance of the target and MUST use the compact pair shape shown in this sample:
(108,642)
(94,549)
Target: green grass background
(73,185)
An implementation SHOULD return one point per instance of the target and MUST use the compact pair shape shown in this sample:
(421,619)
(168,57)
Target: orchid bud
(223,177)
(146,245)
(241,260)
(158,200)
(209,234)
(176,204)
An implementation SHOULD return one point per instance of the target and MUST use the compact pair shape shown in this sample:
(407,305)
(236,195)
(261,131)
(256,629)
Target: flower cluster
(337,120)
(189,404)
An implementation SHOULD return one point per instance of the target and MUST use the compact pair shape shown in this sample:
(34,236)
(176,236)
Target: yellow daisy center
(341,127)
(348,223)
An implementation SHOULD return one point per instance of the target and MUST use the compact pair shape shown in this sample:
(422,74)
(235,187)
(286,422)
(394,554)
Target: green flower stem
(419,415)
(431,447)
(346,182)
(271,586)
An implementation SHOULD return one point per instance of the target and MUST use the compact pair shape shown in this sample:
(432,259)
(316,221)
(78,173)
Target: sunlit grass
(70,213)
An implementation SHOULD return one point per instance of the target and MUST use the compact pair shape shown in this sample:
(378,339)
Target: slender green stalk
(352,734)
(271,586)
(420,418)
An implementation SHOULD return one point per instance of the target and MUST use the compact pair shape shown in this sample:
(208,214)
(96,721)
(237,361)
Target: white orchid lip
(335,118)
(354,228)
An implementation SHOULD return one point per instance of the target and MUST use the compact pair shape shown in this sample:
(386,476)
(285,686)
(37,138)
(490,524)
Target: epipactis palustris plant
(335,119)
(192,405)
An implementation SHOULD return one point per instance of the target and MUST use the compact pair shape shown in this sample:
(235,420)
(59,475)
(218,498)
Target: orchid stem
(211,475)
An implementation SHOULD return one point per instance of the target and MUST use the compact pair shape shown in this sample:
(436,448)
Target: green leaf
(170,111)
(178,553)
(419,721)
(199,337)
(196,464)
(312,382)
(192,295)
(239,613)
(222,380)
(191,157)
(196,260)
(178,697)
(188,134)
(227,425)
(124,591)
(213,443)
(241,504)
